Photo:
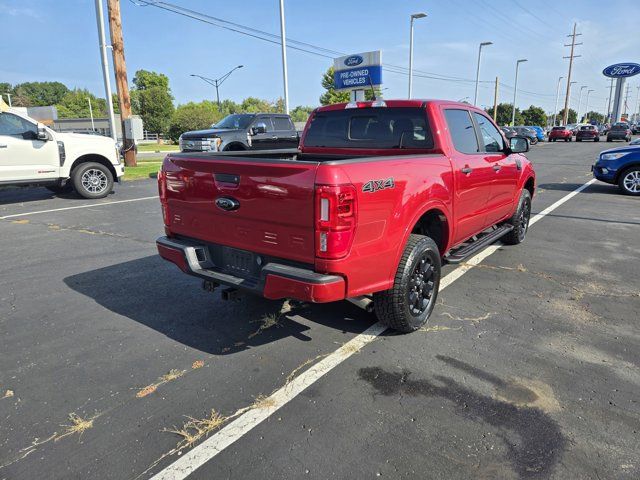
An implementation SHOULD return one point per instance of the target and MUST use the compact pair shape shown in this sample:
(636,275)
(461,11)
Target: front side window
(462,131)
(15,126)
(237,121)
(490,136)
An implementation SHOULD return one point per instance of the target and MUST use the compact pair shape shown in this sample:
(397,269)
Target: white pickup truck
(31,153)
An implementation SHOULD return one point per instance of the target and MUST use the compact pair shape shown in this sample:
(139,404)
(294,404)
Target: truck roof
(413,103)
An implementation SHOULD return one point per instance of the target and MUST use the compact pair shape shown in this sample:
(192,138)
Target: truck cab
(31,153)
(243,131)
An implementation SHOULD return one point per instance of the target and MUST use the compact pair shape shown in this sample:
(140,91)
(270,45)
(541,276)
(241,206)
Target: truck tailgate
(260,205)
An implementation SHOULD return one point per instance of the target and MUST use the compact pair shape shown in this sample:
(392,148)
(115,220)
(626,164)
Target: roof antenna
(373,90)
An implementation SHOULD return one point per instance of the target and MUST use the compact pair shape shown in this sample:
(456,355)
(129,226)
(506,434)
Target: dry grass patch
(166,378)
(8,394)
(197,364)
(78,425)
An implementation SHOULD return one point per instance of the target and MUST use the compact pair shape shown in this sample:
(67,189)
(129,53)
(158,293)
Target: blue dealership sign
(358,78)
(358,71)
(621,70)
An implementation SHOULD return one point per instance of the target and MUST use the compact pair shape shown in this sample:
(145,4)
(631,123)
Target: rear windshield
(588,127)
(380,127)
(558,128)
(619,126)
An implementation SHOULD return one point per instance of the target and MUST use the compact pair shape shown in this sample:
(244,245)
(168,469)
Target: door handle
(274,137)
(496,168)
(466,170)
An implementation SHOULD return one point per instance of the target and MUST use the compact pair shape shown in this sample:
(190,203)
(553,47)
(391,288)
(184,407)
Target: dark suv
(243,131)
(619,131)
(588,132)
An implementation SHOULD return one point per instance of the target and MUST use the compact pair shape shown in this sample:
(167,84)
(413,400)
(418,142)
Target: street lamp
(557,98)
(515,89)
(580,102)
(8,97)
(413,17)
(475,96)
(216,82)
(586,107)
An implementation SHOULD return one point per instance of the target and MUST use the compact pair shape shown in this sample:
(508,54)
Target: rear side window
(462,131)
(266,121)
(382,127)
(282,123)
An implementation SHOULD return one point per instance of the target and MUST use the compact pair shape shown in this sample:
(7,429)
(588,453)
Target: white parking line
(97,204)
(242,425)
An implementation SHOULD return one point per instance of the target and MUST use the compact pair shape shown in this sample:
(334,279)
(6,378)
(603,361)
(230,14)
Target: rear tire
(92,180)
(407,305)
(628,181)
(519,220)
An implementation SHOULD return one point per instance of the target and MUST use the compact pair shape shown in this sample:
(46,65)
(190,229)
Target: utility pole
(555,111)
(120,67)
(609,102)
(495,101)
(102,43)
(283,42)
(571,56)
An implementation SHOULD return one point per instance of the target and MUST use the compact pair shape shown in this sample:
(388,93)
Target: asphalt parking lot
(114,363)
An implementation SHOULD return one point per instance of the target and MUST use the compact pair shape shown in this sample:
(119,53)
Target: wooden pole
(572,55)
(495,101)
(122,85)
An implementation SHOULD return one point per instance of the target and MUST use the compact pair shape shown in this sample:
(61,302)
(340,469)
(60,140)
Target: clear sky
(57,40)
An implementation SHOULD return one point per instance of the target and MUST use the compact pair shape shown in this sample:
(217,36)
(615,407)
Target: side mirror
(518,144)
(259,128)
(42,134)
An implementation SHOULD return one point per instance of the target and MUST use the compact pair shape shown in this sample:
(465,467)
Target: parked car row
(617,131)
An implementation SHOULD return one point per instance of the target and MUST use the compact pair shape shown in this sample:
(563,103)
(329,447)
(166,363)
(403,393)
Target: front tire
(92,180)
(519,220)
(407,305)
(629,181)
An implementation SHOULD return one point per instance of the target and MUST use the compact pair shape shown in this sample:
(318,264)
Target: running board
(486,239)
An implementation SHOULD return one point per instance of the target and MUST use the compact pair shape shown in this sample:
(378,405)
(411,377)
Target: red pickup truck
(377,196)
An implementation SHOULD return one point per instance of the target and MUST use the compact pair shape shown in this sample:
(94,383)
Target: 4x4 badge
(374,185)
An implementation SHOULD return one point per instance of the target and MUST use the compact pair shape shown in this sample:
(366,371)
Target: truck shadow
(570,187)
(12,195)
(156,294)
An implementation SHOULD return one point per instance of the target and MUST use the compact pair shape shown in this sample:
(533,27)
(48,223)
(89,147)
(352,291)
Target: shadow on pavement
(156,294)
(570,187)
(12,195)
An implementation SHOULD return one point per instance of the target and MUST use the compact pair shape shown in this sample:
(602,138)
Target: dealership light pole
(586,106)
(580,103)
(609,101)
(555,111)
(515,90)
(475,96)
(93,125)
(283,42)
(106,76)
(216,82)
(9,98)
(413,17)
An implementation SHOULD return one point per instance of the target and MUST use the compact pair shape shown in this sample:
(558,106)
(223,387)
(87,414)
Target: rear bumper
(275,280)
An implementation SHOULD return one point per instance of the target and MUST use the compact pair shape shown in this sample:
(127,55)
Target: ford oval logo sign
(353,60)
(228,204)
(620,70)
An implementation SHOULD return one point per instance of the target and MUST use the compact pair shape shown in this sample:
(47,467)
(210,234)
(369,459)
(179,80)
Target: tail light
(162,191)
(336,218)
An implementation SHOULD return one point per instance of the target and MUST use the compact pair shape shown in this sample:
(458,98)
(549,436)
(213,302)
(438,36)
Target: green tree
(331,95)
(151,99)
(300,113)
(75,104)
(571,118)
(42,93)
(593,117)
(19,97)
(193,116)
(115,101)
(503,116)
(534,116)
(227,107)
(256,105)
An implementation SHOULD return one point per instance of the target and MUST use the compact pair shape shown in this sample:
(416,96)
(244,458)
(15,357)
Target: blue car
(539,132)
(620,166)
